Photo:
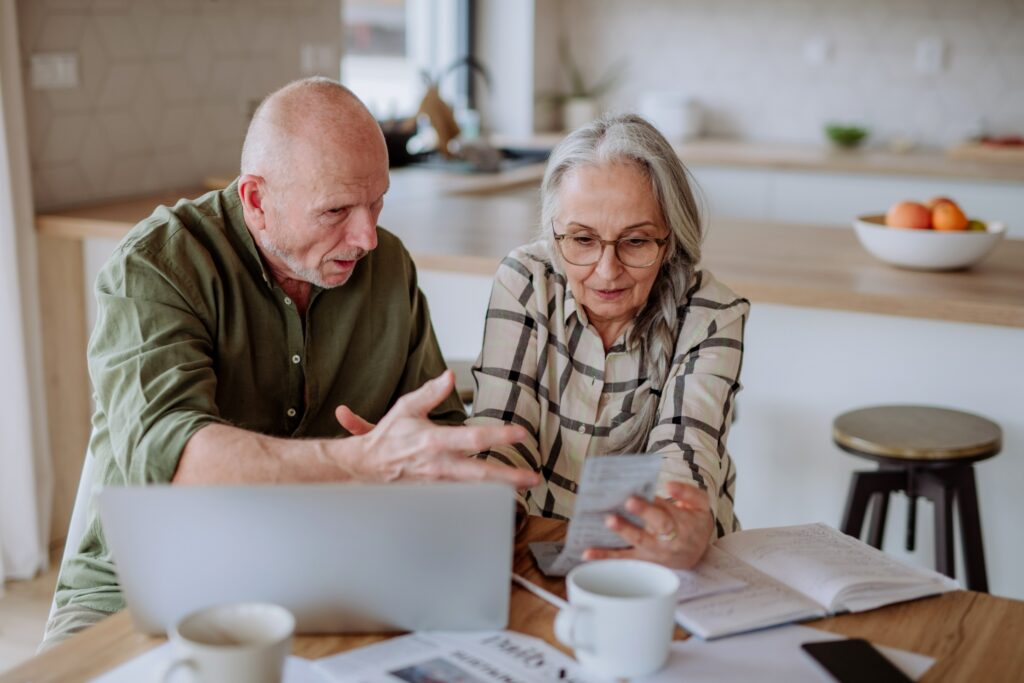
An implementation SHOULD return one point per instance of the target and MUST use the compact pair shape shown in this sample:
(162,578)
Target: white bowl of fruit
(936,235)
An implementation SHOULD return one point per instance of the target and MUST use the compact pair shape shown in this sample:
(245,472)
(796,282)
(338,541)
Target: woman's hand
(676,530)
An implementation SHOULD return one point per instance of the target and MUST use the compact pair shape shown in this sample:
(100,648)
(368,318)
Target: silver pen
(547,596)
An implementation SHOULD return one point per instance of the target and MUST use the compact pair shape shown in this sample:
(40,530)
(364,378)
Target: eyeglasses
(586,250)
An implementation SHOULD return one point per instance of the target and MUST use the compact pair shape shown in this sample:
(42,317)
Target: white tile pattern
(165,87)
(743,60)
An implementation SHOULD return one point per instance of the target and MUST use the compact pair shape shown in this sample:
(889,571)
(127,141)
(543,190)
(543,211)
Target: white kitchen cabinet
(830,198)
(734,193)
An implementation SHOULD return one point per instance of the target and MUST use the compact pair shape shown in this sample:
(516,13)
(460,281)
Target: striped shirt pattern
(543,367)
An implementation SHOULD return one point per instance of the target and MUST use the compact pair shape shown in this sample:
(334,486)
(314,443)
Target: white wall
(458,304)
(504,42)
(743,60)
(26,478)
(165,88)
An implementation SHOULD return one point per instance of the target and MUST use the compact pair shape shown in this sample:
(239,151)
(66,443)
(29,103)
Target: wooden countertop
(817,267)
(867,161)
(823,158)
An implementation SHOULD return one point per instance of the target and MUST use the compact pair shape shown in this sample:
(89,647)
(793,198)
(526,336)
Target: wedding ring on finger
(667,537)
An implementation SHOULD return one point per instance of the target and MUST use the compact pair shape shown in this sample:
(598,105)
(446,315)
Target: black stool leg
(940,491)
(970,530)
(911,521)
(863,485)
(857,503)
(911,508)
(879,510)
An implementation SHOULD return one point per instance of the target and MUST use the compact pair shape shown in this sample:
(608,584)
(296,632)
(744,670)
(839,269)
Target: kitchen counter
(825,158)
(449,229)
(828,159)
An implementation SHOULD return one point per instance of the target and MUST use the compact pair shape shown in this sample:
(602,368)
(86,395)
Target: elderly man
(236,331)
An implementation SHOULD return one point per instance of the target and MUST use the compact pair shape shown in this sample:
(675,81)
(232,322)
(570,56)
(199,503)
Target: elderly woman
(604,336)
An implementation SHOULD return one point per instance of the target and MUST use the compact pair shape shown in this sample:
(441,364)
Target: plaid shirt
(544,367)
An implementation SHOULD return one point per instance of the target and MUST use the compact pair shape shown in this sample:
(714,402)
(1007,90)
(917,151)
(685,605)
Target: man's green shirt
(192,330)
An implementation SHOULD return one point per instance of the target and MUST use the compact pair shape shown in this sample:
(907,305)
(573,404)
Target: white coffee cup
(620,617)
(247,641)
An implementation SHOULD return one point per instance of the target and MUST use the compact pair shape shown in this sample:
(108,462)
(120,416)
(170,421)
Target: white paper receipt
(607,482)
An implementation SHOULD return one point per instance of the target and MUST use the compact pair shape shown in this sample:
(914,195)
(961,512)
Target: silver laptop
(344,558)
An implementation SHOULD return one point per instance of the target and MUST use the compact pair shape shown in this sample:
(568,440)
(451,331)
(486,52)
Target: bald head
(305,125)
(314,175)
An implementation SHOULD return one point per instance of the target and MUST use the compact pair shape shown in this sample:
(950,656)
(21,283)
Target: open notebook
(801,572)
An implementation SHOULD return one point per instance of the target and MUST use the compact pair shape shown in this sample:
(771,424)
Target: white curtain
(25,475)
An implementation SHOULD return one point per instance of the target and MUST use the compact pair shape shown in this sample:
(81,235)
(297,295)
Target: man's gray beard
(310,275)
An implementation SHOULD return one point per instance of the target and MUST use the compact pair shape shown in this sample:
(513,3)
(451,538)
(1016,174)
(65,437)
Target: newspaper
(605,485)
(454,657)
(148,667)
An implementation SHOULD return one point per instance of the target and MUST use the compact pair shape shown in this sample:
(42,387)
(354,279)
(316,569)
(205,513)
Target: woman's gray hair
(632,140)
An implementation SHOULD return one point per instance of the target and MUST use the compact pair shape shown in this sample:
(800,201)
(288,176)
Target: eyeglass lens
(582,250)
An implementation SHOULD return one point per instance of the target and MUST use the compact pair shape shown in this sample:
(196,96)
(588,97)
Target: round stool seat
(920,433)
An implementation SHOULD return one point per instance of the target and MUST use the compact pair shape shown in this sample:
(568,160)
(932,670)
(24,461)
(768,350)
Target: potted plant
(579,103)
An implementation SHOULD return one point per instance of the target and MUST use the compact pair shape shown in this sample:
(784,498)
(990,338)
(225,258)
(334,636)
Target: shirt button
(291,412)
(296,359)
(288,300)
(582,429)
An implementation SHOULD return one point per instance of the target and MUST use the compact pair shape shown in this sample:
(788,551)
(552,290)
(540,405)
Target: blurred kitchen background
(161,90)
(107,100)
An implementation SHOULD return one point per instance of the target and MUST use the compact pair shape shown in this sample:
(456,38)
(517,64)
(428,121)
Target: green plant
(578,86)
(845,135)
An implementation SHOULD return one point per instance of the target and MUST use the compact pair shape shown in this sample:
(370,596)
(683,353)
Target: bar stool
(923,451)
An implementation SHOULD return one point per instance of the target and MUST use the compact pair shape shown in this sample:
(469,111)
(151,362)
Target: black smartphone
(854,660)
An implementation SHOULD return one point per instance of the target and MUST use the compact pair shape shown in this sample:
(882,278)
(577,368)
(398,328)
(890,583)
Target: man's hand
(405,444)
(676,530)
(355,425)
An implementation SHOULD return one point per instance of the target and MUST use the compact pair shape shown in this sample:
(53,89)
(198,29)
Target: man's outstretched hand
(406,445)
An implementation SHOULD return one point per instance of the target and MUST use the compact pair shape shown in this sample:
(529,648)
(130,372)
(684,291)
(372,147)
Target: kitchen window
(389,42)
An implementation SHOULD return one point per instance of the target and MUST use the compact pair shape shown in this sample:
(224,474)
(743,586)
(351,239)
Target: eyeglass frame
(660,241)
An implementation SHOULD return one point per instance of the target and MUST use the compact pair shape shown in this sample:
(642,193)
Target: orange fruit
(935,201)
(909,215)
(948,216)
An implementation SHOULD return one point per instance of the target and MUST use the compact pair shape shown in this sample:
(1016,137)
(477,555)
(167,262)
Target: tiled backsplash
(745,62)
(165,87)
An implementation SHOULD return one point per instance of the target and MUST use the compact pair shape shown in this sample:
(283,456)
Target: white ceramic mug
(620,617)
(246,641)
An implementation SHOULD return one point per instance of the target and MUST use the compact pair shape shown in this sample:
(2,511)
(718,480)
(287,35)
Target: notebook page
(705,579)
(823,563)
(761,602)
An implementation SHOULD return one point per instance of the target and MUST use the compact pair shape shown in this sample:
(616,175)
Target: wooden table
(973,636)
